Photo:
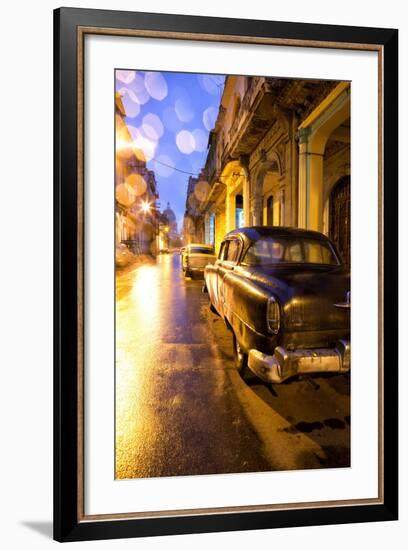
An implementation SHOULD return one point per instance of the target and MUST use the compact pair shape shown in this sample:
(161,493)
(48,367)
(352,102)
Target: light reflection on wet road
(176,410)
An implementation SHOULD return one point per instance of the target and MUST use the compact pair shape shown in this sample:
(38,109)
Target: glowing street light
(146,207)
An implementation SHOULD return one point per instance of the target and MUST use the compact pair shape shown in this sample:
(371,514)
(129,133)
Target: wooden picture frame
(70,27)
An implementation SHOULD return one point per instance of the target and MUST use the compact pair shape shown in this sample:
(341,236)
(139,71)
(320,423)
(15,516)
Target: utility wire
(219,85)
(174,168)
(190,173)
(216,82)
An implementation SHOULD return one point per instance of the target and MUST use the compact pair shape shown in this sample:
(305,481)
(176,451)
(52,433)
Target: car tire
(240,357)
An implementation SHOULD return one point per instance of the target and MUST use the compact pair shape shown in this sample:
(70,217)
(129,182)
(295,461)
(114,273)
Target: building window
(269,211)
(212,229)
(239,211)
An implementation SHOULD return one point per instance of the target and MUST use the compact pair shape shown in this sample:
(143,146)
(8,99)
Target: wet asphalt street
(181,406)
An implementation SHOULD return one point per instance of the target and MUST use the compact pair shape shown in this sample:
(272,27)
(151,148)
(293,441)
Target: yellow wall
(219,228)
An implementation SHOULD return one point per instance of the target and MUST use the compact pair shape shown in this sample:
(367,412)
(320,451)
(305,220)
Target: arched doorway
(340,217)
(268,193)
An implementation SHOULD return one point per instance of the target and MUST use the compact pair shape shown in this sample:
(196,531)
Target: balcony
(254,118)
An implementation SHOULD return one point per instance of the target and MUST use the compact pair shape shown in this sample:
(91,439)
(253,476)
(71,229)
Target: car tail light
(295,313)
(273,316)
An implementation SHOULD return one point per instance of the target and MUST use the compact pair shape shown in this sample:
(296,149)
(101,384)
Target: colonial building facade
(193,222)
(137,217)
(279,154)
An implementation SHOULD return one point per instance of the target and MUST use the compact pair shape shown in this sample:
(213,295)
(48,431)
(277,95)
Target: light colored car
(195,257)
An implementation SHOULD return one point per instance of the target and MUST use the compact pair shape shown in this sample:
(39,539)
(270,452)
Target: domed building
(170,227)
(171,218)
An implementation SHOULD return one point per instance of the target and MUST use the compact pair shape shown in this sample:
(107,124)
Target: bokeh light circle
(137,183)
(124,149)
(201,190)
(156,85)
(139,89)
(171,121)
(152,127)
(188,225)
(183,109)
(130,102)
(143,147)
(125,194)
(200,139)
(209,118)
(125,76)
(192,201)
(185,142)
(212,84)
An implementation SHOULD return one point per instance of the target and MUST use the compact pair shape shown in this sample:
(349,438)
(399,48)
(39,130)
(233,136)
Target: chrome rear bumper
(284,364)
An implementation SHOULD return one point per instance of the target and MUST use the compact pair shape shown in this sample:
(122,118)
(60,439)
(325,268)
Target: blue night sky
(169,116)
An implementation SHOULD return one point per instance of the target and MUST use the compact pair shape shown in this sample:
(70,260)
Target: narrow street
(181,406)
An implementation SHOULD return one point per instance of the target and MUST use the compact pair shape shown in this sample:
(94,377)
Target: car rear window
(290,250)
(200,250)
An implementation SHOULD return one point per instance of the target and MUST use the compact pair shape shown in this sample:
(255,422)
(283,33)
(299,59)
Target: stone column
(229,211)
(310,182)
(246,187)
(247,202)
(292,211)
(282,207)
(256,208)
(206,229)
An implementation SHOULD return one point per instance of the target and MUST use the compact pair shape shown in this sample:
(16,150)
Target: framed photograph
(223,187)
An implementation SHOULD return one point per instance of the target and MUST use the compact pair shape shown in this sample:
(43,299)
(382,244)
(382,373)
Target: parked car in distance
(285,295)
(123,256)
(182,250)
(195,257)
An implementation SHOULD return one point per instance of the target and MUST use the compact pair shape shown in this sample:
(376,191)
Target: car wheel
(241,358)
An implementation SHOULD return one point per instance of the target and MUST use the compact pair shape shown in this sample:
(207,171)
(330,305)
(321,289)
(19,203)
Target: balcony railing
(248,100)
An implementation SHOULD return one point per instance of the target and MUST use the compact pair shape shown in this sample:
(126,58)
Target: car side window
(223,251)
(293,253)
(233,251)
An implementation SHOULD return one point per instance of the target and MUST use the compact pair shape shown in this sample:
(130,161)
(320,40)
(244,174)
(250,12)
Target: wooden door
(340,217)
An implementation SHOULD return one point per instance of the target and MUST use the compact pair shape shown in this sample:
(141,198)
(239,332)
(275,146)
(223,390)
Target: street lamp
(145,207)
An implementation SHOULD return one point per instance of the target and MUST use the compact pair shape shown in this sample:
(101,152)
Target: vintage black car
(285,295)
